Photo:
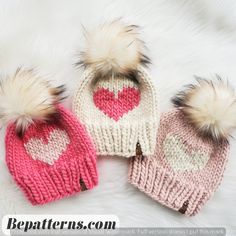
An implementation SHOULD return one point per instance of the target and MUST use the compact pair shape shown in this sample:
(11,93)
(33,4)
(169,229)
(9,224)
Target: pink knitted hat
(116,99)
(191,150)
(48,151)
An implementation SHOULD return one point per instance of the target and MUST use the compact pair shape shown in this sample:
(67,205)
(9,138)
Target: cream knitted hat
(116,99)
(191,150)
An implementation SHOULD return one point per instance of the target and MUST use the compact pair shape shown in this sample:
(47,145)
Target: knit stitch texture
(52,160)
(186,168)
(118,112)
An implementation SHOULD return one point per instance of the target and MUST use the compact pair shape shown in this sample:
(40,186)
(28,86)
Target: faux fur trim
(114,48)
(25,97)
(210,106)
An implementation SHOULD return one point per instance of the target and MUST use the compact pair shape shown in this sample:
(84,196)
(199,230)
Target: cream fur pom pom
(114,48)
(210,106)
(25,97)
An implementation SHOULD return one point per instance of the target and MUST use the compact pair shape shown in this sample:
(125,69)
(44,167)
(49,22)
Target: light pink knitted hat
(48,151)
(116,99)
(191,150)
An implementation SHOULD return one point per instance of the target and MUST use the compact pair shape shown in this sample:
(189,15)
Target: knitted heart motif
(180,158)
(48,152)
(116,107)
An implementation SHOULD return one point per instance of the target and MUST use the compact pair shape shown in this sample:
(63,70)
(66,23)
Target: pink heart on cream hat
(115,107)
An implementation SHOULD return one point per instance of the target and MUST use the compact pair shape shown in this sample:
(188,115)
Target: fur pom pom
(114,48)
(24,98)
(210,106)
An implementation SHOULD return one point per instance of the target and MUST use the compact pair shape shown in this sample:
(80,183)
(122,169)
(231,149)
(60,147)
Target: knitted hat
(48,151)
(191,150)
(116,99)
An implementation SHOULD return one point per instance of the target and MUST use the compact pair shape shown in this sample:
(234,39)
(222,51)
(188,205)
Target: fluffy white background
(184,38)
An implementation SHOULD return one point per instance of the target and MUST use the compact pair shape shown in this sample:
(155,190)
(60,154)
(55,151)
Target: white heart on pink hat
(180,158)
(51,151)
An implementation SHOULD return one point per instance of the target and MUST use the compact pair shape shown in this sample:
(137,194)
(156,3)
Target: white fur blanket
(185,38)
